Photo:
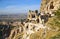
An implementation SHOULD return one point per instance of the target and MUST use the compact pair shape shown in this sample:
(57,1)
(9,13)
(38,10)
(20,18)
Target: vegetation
(57,18)
(54,23)
(4,29)
(56,37)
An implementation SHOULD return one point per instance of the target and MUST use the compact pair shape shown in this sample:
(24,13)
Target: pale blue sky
(18,6)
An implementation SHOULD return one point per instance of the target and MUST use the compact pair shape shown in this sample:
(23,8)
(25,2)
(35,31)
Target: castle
(36,21)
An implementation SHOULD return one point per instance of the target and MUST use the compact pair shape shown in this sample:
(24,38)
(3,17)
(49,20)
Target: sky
(18,6)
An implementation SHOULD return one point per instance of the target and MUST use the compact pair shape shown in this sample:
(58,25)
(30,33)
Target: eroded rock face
(49,5)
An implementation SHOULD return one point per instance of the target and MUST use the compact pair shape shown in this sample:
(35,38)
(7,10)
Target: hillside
(54,23)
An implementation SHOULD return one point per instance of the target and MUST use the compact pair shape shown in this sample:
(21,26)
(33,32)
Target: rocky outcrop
(49,5)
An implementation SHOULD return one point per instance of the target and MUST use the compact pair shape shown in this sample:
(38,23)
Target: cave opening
(51,5)
(33,16)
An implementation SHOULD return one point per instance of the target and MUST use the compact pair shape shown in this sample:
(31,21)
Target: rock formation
(36,21)
(49,5)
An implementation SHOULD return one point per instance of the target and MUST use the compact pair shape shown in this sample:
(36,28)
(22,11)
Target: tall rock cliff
(49,5)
